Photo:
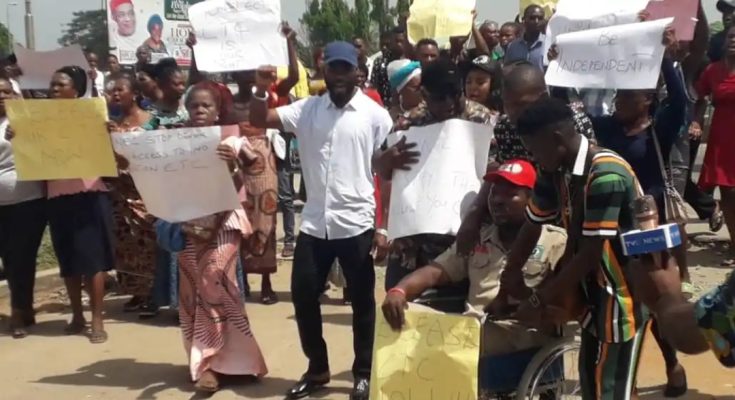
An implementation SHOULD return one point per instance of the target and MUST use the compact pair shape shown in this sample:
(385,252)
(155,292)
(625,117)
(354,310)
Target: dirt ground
(145,360)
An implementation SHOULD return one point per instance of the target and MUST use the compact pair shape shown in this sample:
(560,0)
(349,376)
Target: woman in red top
(718,83)
(362,83)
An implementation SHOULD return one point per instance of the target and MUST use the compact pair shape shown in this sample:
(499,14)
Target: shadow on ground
(656,393)
(150,379)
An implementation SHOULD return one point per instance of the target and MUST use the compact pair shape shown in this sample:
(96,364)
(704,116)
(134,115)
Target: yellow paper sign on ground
(440,19)
(61,139)
(548,5)
(435,356)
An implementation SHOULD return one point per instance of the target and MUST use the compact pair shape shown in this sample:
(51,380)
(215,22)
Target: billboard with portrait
(158,28)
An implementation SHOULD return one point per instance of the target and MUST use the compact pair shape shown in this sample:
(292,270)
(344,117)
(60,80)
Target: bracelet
(534,300)
(263,99)
(383,232)
(397,290)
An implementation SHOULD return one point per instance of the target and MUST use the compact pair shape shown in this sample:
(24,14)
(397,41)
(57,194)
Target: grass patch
(46,256)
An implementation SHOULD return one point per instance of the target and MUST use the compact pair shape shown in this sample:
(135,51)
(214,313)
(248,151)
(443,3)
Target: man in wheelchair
(512,184)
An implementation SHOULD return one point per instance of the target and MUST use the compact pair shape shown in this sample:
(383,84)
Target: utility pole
(30,31)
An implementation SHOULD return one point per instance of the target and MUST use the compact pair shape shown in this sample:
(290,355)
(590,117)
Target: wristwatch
(383,232)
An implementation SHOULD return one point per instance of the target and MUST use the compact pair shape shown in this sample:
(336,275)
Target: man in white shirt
(339,134)
(96,75)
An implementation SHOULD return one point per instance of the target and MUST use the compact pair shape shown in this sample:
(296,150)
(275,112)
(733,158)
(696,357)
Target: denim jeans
(165,290)
(286,194)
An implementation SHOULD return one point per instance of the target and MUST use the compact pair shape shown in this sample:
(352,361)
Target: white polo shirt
(336,148)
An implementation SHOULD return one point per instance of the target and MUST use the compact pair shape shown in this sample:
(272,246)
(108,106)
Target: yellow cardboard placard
(434,356)
(61,139)
(440,19)
(548,5)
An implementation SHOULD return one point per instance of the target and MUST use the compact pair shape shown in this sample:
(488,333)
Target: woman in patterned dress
(135,255)
(217,334)
(260,177)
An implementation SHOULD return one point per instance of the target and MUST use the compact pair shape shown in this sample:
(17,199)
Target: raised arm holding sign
(61,139)
(581,15)
(618,57)
(440,20)
(237,35)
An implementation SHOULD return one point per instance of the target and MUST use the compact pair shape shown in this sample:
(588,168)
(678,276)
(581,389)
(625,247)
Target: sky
(50,17)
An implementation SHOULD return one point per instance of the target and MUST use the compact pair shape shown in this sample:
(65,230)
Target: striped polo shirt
(610,185)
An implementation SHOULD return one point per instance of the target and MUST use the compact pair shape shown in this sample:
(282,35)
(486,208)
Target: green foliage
(89,30)
(716,27)
(328,20)
(6,43)
(402,6)
(362,18)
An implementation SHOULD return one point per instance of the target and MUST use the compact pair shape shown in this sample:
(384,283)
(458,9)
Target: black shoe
(306,386)
(361,391)
(288,251)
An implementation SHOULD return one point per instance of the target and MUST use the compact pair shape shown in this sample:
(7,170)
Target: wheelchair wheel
(552,374)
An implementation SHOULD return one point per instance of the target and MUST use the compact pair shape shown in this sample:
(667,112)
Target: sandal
(75,327)
(18,327)
(687,289)
(268,299)
(134,304)
(717,219)
(98,337)
(208,383)
(148,310)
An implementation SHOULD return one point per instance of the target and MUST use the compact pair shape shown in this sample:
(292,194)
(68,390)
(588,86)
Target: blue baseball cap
(340,51)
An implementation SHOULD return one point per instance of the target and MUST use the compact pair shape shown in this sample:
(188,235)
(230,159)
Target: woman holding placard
(135,250)
(80,217)
(217,333)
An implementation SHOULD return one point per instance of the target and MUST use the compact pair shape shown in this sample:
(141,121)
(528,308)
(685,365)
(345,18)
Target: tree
(89,30)
(327,21)
(380,15)
(402,6)
(362,19)
(6,41)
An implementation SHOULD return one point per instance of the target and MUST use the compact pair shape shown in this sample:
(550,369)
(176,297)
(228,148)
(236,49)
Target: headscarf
(400,72)
(222,96)
(78,77)
(114,4)
(155,19)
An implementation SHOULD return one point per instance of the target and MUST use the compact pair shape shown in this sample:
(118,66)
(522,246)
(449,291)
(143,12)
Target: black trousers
(313,259)
(21,231)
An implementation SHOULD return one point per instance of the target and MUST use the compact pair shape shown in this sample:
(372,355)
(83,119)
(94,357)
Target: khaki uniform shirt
(484,267)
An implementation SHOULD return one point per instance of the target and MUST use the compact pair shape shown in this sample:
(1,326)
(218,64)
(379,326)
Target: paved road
(146,360)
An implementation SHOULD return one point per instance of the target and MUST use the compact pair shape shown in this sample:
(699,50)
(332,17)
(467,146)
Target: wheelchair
(545,373)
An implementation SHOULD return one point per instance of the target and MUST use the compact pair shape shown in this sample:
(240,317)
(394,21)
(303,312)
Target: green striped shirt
(611,186)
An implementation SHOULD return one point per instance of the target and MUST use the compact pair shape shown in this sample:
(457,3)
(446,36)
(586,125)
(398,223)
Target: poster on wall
(161,27)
